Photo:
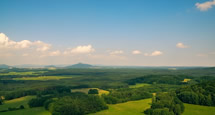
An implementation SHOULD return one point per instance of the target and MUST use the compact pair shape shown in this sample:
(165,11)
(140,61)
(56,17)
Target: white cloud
(41,46)
(80,50)
(181,45)
(136,52)
(6,43)
(116,52)
(205,6)
(155,53)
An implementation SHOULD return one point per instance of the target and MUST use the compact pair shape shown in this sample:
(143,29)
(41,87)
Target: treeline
(124,95)
(158,79)
(40,91)
(165,104)
(200,94)
(70,103)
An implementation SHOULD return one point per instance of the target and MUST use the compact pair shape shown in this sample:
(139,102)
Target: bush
(93,91)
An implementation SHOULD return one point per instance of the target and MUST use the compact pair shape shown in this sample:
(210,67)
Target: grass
(191,109)
(19,73)
(139,85)
(28,111)
(85,90)
(16,102)
(43,78)
(22,101)
(128,108)
(186,80)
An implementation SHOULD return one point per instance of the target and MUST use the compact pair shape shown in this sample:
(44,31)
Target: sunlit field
(128,108)
(43,78)
(85,90)
(191,109)
(139,85)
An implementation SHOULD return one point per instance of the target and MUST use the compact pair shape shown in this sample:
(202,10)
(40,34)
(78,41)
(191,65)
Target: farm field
(128,108)
(191,109)
(28,111)
(139,85)
(16,102)
(43,78)
(85,90)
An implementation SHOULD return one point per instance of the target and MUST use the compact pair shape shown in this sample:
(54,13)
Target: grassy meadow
(128,108)
(85,90)
(16,102)
(139,85)
(28,111)
(43,78)
(191,109)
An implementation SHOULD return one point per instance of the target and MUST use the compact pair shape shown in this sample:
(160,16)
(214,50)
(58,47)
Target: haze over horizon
(108,32)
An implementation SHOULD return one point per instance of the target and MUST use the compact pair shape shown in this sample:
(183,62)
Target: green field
(23,73)
(191,109)
(85,90)
(16,102)
(128,108)
(43,78)
(139,85)
(28,111)
(22,101)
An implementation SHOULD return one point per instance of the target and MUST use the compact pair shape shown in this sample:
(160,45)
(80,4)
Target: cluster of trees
(200,94)
(158,79)
(1,101)
(39,101)
(40,91)
(77,104)
(69,103)
(93,91)
(124,95)
(165,104)
(13,108)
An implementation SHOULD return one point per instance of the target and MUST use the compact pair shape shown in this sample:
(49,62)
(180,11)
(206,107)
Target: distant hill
(3,66)
(80,65)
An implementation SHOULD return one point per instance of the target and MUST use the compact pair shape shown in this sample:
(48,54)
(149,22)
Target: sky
(108,32)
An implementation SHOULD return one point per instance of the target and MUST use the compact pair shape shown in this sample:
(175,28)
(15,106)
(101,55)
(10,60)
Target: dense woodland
(56,97)
(200,94)
(165,104)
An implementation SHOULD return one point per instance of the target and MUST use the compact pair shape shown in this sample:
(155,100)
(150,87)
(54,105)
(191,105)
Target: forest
(80,91)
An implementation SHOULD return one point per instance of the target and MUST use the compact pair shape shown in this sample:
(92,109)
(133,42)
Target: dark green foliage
(158,79)
(21,107)
(165,104)
(124,95)
(93,91)
(21,93)
(39,101)
(200,94)
(1,101)
(78,104)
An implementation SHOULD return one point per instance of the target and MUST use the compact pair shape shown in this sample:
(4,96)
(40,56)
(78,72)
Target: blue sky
(110,32)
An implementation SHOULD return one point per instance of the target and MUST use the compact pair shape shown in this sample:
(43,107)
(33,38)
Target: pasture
(191,109)
(16,102)
(28,111)
(43,78)
(128,108)
(139,85)
(85,90)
